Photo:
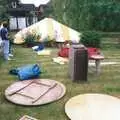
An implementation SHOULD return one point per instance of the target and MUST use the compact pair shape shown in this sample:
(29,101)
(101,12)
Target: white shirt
(0,36)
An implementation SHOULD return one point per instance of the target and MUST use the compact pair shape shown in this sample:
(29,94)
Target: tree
(4,4)
(103,15)
(3,10)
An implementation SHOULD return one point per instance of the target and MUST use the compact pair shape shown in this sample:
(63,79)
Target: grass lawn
(107,82)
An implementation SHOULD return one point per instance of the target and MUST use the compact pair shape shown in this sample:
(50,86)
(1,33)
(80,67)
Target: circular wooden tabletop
(97,57)
(93,107)
(35,92)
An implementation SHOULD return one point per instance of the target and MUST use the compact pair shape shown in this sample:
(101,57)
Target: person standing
(1,26)
(4,36)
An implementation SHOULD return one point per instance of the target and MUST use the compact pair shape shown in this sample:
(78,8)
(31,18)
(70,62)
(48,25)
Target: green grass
(107,82)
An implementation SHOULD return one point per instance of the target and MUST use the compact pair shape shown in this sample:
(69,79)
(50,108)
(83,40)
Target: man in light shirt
(1,26)
(5,41)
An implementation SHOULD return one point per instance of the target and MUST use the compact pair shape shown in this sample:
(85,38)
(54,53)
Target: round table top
(97,57)
(35,92)
(93,107)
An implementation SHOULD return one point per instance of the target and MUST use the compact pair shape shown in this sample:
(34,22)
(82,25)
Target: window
(14,4)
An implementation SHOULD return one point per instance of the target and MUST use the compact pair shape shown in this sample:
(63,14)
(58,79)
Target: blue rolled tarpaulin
(27,72)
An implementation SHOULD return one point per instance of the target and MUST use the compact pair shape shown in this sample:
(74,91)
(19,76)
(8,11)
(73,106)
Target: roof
(35,2)
(21,9)
(27,6)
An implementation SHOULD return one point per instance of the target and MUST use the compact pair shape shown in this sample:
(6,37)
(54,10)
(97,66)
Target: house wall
(12,24)
(20,22)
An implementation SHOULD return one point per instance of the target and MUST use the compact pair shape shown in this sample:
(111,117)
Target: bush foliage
(30,39)
(91,39)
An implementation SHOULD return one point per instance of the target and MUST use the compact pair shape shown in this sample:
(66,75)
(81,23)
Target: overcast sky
(35,2)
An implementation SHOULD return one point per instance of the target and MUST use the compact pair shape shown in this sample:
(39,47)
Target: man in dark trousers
(4,36)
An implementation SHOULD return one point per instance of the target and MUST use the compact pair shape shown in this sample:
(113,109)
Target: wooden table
(35,92)
(93,107)
(97,59)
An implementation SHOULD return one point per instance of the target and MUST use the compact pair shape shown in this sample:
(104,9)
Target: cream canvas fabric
(48,28)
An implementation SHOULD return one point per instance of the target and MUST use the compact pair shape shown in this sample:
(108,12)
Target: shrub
(29,39)
(91,39)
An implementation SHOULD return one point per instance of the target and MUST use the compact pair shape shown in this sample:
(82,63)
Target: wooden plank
(44,93)
(42,84)
(20,89)
(24,95)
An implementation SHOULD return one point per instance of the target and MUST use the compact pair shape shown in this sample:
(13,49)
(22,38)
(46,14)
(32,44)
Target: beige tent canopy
(48,27)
